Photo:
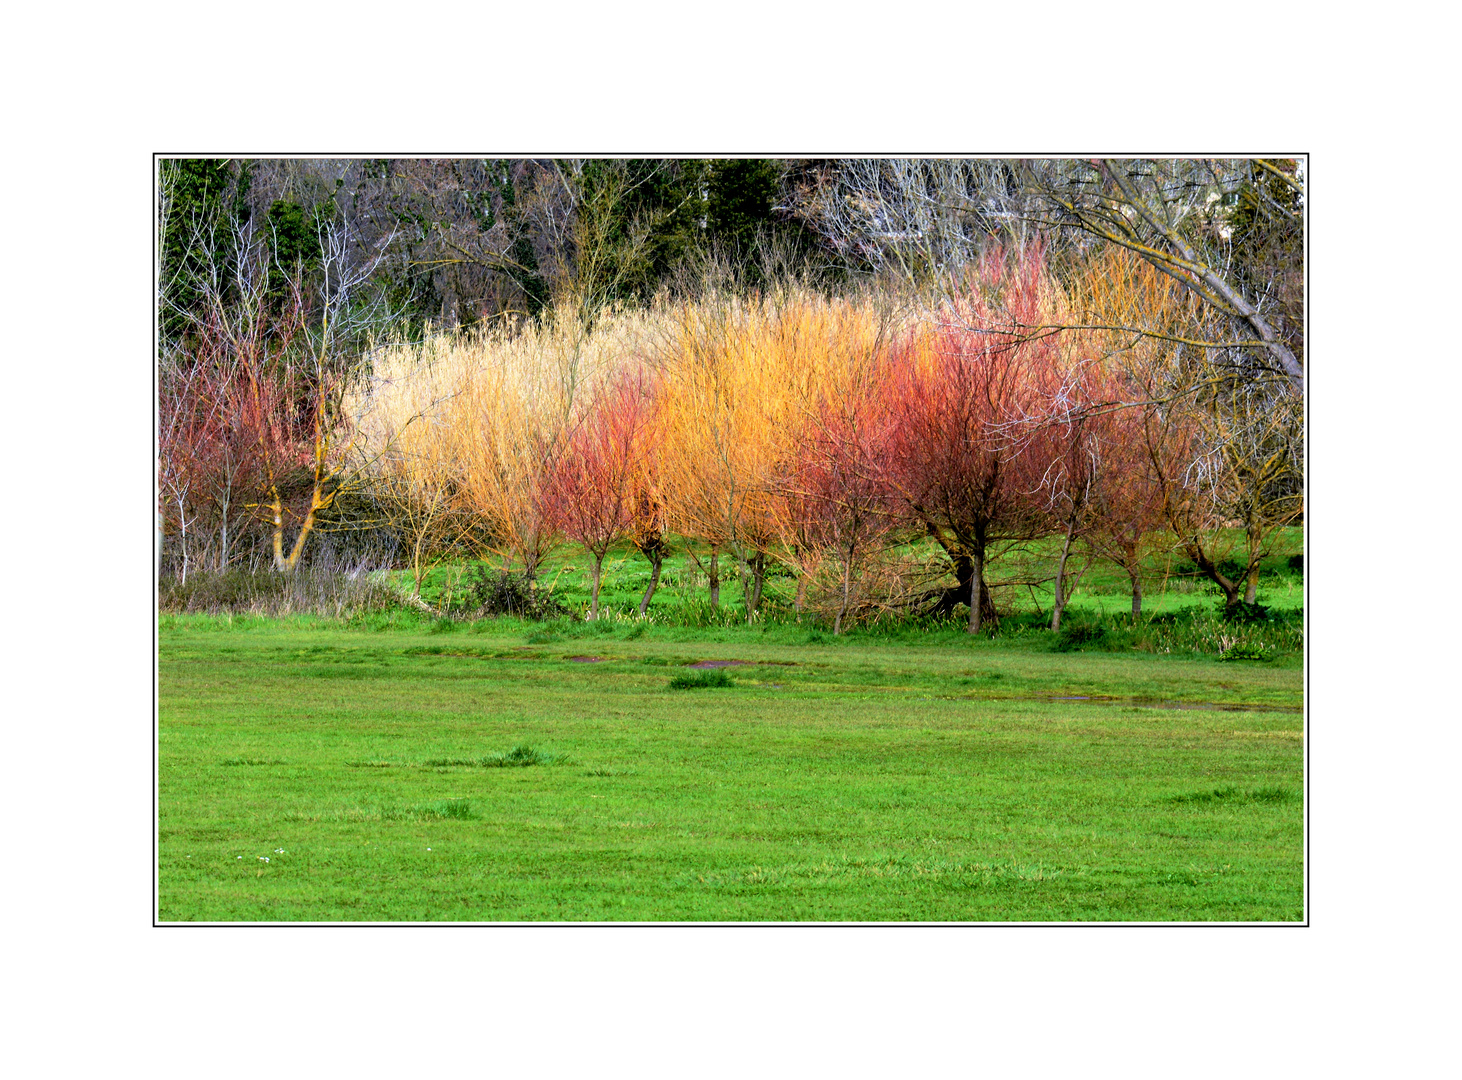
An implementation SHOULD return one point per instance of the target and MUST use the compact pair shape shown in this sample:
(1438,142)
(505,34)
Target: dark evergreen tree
(294,248)
(205,198)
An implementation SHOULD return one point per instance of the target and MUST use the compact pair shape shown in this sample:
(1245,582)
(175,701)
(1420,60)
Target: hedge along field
(397,768)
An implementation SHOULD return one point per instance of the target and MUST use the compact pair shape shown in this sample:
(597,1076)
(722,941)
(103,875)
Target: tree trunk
(955,595)
(656,559)
(1230,589)
(758,576)
(594,587)
(183,536)
(1136,576)
(847,594)
(713,576)
(1059,602)
(416,566)
(1256,552)
(223,534)
(977,586)
(287,564)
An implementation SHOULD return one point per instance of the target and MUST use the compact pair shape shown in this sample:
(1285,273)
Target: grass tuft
(701,680)
(1232,795)
(519,756)
(1243,651)
(447,809)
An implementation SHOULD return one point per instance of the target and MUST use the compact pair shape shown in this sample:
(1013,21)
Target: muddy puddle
(1153,703)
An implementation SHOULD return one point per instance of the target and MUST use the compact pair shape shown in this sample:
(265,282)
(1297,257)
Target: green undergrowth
(1182,613)
(1193,630)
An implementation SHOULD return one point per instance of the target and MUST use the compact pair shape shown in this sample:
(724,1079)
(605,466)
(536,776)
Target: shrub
(1075,636)
(504,593)
(1244,612)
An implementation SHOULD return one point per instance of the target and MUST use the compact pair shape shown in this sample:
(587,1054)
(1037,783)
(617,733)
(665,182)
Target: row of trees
(824,439)
(1101,388)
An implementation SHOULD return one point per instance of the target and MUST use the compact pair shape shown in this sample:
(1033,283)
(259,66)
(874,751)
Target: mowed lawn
(375,772)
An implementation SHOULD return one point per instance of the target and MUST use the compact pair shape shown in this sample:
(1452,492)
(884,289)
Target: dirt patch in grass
(1203,706)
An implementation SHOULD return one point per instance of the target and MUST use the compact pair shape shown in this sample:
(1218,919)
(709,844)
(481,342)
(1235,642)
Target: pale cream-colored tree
(523,390)
(407,453)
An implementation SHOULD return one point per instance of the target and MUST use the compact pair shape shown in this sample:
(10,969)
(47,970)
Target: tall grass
(328,587)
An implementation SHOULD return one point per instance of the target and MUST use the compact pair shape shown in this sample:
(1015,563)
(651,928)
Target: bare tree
(347,308)
(1174,213)
(264,375)
(924,220)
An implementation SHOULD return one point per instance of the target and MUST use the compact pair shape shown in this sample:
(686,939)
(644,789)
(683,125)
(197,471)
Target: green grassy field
(395,768)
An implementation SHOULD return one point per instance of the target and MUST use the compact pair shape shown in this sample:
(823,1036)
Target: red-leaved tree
(591,494)
(649,522)
(1070,441)
(231,434)
(1127,498)
(838,499)
(960,399)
